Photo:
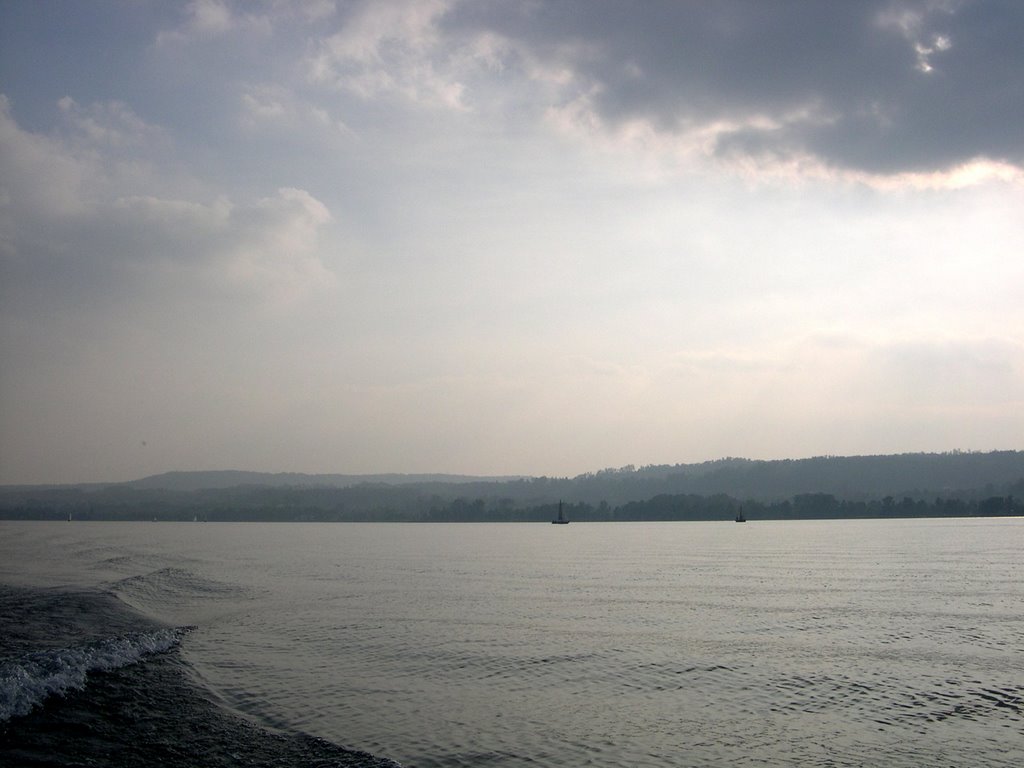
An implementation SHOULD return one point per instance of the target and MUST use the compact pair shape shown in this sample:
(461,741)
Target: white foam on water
(27,682)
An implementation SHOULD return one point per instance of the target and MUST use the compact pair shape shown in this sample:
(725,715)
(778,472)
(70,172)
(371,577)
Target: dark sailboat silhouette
(561,519)
(739,516)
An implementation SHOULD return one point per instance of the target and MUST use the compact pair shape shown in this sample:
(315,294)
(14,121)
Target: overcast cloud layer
(505,237)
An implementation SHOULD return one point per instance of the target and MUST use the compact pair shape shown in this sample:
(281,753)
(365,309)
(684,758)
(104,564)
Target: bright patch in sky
(505,237)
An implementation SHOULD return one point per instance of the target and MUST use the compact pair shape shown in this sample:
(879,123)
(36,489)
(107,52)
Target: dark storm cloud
(874,85)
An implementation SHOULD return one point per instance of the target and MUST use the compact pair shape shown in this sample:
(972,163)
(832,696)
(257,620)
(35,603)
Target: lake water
(811,643)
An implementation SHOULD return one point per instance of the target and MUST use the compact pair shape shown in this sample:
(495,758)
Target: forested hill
(901,485)
(854,478)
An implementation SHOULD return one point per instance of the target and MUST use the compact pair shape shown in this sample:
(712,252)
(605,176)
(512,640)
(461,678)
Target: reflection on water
(650,644)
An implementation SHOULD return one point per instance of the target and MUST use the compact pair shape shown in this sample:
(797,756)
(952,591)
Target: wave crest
(27,682)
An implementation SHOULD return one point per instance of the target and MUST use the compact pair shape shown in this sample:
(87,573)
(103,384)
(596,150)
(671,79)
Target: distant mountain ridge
(846,477)
(232,478)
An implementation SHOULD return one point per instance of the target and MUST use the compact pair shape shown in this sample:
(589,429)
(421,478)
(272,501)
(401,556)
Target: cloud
(265,251)
(262,105)
(71,218)
(273,246)
(212,19)
(922,92)
(110,123)
(388,49)
(36,172)
(209,16)
(95,153)
(277,108)
(880,87)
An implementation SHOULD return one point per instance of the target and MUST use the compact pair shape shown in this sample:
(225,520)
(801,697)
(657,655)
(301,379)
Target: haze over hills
(231,478)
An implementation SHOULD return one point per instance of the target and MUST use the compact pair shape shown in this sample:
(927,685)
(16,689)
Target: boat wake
(28,681)
(126,700)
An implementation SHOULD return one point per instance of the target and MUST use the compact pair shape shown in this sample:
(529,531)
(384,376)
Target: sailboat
(739,516)
(561,519)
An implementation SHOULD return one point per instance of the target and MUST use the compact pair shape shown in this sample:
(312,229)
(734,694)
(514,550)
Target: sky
(506,237)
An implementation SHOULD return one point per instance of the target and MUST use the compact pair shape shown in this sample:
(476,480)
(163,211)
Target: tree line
(318,505)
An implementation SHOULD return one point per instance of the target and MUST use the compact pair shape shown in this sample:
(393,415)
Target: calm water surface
(831,643)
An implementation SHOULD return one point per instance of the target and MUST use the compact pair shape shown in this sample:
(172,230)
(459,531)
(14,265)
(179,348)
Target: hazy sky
(506,237)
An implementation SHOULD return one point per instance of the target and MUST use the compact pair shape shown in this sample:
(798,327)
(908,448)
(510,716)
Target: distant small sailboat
(739,516)
(561,519)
